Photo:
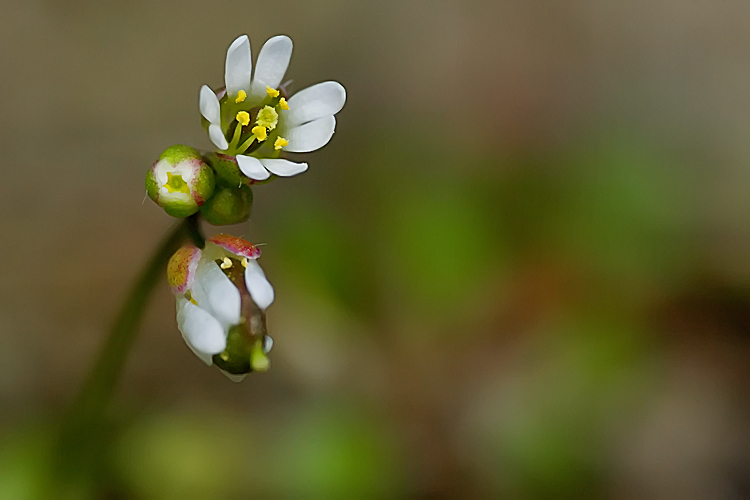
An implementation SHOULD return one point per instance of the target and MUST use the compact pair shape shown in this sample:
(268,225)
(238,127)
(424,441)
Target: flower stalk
(84,423)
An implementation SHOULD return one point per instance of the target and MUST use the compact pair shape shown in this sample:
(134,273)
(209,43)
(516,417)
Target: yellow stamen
(243,117)
(244,262)
(280,143)
(241,96)
(272,92)
(283,104)
(226,263)
(260,133)
(193,301)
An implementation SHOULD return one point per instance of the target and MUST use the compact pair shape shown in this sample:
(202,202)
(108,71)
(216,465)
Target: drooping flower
(179,181)
(252,118)
(222,294)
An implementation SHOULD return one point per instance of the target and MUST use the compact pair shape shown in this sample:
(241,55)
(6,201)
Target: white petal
(202,331)
(260,289)
(284,168)
(251,167)
(267,344)
(315,102)
(272,63)
(221,298)
(310,136)
(239,66)
(217,137)
(160,170)
(206,358)
(209,104)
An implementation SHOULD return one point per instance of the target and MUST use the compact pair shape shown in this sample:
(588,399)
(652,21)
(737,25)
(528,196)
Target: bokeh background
(521,268)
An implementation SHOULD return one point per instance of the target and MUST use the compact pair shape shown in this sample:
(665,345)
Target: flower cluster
(221,291)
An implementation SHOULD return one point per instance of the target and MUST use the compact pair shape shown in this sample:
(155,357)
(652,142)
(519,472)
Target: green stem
(82,427)
(231,150)
(243,147)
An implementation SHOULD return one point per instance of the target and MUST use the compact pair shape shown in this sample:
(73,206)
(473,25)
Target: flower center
(267,117)
(262,121)
(176,184)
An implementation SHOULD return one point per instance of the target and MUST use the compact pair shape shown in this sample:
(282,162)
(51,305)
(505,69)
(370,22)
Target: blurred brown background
(521,268)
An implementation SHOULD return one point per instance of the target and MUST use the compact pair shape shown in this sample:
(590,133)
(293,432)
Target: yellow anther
(224,355)
(267,117)
(241,96)
(244,262)
(260,133)
(226,263)
(243,117)
(280,143)
(283,104)
(193,301)
(272,92)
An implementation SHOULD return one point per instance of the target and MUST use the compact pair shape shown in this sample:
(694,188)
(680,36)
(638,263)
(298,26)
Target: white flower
(215,296)
(302,124)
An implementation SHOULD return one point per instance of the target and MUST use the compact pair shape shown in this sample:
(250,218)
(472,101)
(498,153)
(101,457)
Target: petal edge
(317,101)
(239,66)
(310,136)
(252,167)
(283,168)
(272,63)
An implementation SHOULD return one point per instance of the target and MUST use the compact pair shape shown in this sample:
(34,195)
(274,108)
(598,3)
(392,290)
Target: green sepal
(152,187)
(227,171)
(204,183)
(235,359)
(179,152)
(228,205)
(180,209)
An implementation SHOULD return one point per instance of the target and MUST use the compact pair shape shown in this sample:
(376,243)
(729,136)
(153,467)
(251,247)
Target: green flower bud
(226,169)
(228,205)
(180,182)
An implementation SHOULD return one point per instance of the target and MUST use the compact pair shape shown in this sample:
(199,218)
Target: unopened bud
(228,205)
(180,182)
(226,169)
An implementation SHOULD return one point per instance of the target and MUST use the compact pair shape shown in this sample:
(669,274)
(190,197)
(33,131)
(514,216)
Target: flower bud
(222,295)
(226,169)
(180,182)
(228,205)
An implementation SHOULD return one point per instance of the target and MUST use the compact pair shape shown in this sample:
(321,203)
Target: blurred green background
(520,269)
